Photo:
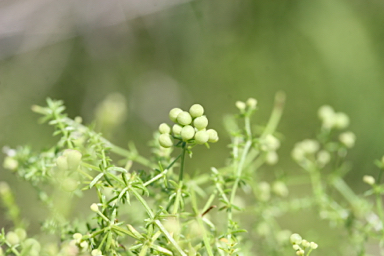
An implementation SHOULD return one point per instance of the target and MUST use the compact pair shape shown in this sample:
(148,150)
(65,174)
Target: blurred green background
(163,54)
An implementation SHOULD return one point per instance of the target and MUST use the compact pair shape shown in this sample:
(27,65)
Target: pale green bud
(240,105)
(201,137)
(4,188)
(164,128)
(280,189)
(323,157)
(10,163)
(73,158)
(21,233)
(62,163)
(251,102)
(12,238)
(187,132)
(94,207)
(165,140)
(77,237)
(300,252)
(271,158)
(369,179)
(200,122)
(295,239)
(348,139)
(314,245)
(33,245)
(325,112)
(196,110)
(176,129)
(270,143)
(305,243)
(341,120)
(296,247)
(96,252)
(174,113)
(184,118)
(213,137)
(69,184)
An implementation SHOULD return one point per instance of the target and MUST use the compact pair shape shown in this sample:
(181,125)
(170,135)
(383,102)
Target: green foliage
(156,206)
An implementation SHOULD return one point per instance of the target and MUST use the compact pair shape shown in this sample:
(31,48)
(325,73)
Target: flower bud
(12,238)
(341,120)
(196,110)
(280,189)
(187,132)
(201,137)
(61,163)
(369,179)
(200,122)
(271,158)
(164,128)
(73,158)
(174,113)
(96,252)
(184,118)
(314,245)
(295,239)
(300,252)
(348,139)
(21,233)
(240,105)
(34,246)
(94,207)
(165,140)
(251,103)
(176,129)
(213,137)
(323,157)
(10,163)
(270,143)
(305,243)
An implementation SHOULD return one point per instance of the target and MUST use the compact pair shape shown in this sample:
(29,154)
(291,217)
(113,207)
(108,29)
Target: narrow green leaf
(96,179)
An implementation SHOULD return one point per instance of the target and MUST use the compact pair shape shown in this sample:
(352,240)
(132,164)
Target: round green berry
(173,114)
(176,129)
(184,118)
(12,238)
(164,128)
(200,122)
(295,239)
(21,233)
(251,102)
(61,163)
(201,137)
(187,132)
(73,158)
(196,110)
(165,140)
(213,137)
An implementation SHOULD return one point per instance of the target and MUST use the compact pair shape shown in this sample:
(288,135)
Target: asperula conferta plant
(190,126)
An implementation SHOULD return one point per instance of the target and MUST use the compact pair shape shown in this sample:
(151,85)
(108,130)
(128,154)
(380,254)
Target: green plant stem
(180,186)
(157,222)
(276,114)
(239,166)
(181,174)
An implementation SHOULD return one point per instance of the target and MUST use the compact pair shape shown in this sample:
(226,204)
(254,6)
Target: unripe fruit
(165,140)
(21,233)
(201,137)
(61,163)
(164,128)
(196,110)
(213,137)
(184,118)
(176,129)
(173,114)
(200,122)
(73,158)
(187,132)
(12,238)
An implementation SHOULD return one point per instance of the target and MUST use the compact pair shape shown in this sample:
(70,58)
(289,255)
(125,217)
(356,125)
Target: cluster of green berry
(297,240)
(189,126)
(18,239)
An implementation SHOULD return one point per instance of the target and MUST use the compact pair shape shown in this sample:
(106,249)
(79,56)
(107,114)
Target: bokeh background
(153,55)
